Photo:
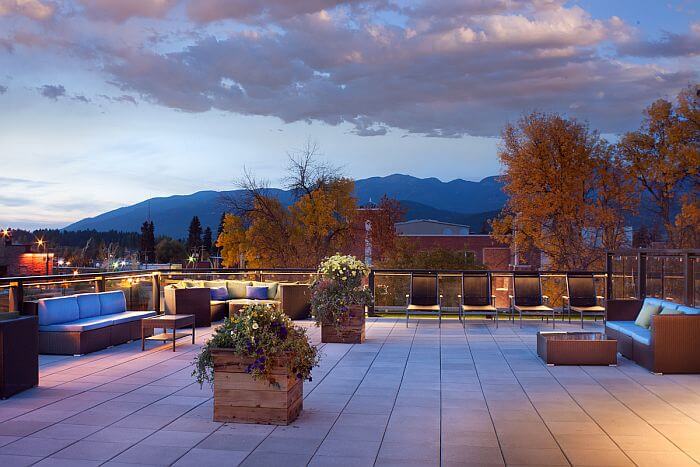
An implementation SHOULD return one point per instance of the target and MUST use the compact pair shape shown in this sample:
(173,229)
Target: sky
(104,103)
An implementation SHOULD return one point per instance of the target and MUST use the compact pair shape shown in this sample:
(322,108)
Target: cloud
(81,98)
(23,183)
(441,68)
(123,98)
(205,11)
(3,89)
(13,202)
(670,45)
(33,9)
(433,79)
(121,10)
(52,91)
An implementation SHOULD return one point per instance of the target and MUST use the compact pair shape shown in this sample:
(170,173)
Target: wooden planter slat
(350,330)
(240,398)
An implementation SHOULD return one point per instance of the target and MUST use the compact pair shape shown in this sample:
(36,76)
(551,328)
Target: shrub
(338,286)
(264,333)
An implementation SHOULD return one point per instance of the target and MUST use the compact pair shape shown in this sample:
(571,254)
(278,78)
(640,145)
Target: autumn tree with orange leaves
(664,157)
(269,234)
(567,191)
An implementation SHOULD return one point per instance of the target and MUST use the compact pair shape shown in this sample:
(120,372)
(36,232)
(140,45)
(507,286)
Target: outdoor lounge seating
(527,298)
(79,324)
(19,359)
(660,335)
(476,297)
(211,301)
(423,298)
(581,297)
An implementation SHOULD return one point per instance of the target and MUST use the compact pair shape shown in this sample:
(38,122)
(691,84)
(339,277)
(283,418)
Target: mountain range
(458,201)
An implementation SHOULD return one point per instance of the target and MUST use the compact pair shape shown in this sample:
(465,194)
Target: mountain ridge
(421,197)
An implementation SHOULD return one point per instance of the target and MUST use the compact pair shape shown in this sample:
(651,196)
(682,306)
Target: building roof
(431,221)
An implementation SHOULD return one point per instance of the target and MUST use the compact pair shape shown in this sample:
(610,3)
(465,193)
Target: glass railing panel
(4,299)
(137,290)
(390,291)
(674,279)
(654,276)
(39,290)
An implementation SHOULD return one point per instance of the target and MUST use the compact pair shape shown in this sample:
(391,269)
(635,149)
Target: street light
(41,243)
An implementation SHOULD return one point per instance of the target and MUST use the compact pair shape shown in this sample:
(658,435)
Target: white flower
(255,325)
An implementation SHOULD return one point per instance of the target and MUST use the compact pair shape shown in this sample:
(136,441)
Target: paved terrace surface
(416,396)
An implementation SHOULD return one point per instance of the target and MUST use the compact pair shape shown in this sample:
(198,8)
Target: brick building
(488,250)
(20,260)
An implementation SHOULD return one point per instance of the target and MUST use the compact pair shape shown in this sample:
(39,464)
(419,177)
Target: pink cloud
(33,9)
(121,10)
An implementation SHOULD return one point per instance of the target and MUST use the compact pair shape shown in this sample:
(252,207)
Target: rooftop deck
(408,396)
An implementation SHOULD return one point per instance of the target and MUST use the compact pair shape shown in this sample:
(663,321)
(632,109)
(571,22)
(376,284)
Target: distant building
(431,228)
(20,260)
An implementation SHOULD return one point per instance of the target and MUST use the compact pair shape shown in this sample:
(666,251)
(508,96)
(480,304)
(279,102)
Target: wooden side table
(576,348)
(173,322)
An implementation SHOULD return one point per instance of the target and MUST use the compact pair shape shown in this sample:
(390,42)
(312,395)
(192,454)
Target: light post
(42,243)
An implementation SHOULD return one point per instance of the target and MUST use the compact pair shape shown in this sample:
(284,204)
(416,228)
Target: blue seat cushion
(688,310)
(618,325)
(58,310)
(639,334)
(80,325)
(128,316)
(89,305)
(112,302)
(628,328)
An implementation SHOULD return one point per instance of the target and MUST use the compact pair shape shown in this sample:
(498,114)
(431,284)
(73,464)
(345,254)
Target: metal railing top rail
(107,275)
(148,272)
(454,272)
(656,252)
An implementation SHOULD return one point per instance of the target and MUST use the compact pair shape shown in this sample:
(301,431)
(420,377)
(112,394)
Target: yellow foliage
(567,191)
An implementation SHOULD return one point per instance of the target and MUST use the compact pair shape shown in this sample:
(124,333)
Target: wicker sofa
(80,324)
(669,345)
(194,297)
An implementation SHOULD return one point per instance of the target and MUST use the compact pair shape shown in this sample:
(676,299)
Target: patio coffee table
(166,322)
(576,348)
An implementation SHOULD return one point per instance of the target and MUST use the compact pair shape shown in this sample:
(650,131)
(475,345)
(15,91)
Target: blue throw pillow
(256,293)
(219,293)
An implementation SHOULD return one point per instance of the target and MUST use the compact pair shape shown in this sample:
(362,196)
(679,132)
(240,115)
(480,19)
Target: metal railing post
(370,285)
(609,276)
(16,296)
(155,291)
(100,284)
(689,292)
(641,275)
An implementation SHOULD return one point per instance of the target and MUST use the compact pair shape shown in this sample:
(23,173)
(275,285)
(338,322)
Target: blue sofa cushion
(89,305)
(129,316)
(218,293)
(619,325)
(58,310)
(256,293)
(639,334)
(628,328)
(80,325)
(112,302)
(688,310)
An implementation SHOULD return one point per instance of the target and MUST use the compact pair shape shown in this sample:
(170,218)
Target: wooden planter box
(351,330)
(240,398)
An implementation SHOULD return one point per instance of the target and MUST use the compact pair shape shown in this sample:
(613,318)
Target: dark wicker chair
(527,298)
(476,297)
(581,297)
(424,298)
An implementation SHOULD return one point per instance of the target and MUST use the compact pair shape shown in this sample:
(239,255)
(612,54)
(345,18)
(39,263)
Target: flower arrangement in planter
(257,362)
(338,299)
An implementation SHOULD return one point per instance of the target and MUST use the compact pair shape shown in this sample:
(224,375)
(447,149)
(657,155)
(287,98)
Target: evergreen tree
(194,235)
(206,240)
(148,242)
(218,233)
